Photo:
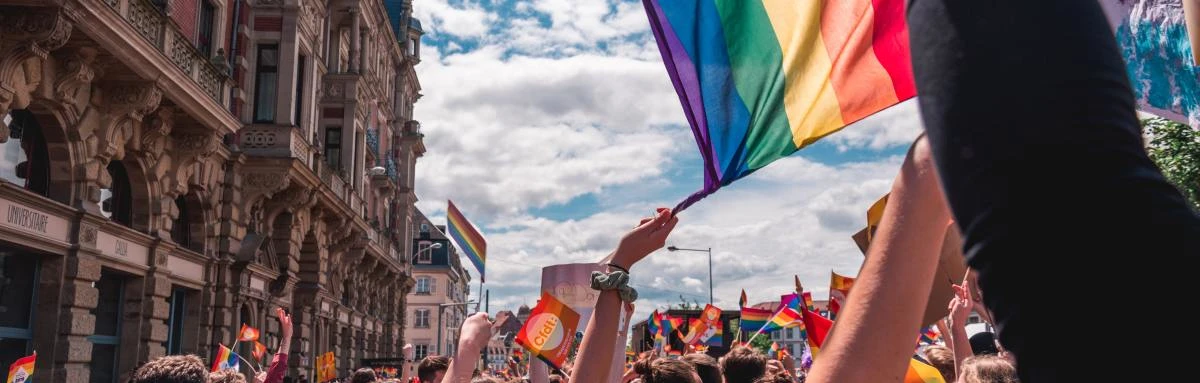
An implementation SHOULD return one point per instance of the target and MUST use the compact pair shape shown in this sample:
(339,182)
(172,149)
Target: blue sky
(553,126)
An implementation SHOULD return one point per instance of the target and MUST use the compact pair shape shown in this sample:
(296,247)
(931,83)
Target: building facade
(438,300)
(172,169)
(501,347)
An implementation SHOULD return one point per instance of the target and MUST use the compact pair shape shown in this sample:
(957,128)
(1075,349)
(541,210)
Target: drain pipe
(233,48)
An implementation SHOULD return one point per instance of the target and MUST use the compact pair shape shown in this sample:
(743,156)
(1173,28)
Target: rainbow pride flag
(753,319)
(760,79)
(654,324)
(225,358)
(21,370)
(468,238)
(839,289)
(818,329)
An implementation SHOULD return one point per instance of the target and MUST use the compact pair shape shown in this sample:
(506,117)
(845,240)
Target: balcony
(373,141)
(158,29)
(276,142)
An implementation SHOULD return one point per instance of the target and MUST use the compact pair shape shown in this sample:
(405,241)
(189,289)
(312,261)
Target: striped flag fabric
(760,79)
(21,370)
(225,358)
(468,238)
(839,289)
(654,324)
(715,336)
(753,319)
(259,351)
(818,329)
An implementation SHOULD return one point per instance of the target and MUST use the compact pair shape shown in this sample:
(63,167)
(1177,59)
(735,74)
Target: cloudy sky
(553,126)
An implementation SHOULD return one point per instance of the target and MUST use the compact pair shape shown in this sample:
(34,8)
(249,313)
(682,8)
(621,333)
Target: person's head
(706,366)
(941,358)
(987,369)
(363,375)
(556,378)
(743,365)
(227,375)
(433,368)
(666,371)
(984,343)
(172,369)
(774,378)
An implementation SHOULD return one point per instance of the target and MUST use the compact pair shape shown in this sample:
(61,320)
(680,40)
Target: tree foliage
(1175,148)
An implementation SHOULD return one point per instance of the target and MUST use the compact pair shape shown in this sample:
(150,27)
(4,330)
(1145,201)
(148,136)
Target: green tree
(762,342)
(1175,148)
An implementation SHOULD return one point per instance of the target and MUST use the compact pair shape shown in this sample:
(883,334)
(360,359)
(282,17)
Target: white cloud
(895,126)
(439,17)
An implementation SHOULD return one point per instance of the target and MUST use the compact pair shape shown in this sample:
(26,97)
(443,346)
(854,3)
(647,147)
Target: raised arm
(595,357)
(279,361)
(884,311)
(473,337)
(960,308)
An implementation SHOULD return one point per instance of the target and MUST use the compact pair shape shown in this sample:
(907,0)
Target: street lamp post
(442,323)
(710,277)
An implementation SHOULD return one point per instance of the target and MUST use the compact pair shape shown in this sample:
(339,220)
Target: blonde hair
(941,358)
(227,375)
(988,369)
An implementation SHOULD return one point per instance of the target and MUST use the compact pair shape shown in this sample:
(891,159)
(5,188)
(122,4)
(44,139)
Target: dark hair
(227,375)
(665,371)
(706,366)
(743,365)
(172,369)
(984,343)
(430,366)
(363,375)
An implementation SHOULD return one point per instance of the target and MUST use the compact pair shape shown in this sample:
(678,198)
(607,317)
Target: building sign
(113,246)
(185,268)
(28,220)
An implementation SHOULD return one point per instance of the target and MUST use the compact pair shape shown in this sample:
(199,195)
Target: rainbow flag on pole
(468,238)
(760,79)
(225,358)
(753,319)
(22,369)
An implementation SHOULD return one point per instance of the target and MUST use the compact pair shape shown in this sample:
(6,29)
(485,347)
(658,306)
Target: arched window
(188,227)
(116,202)
(24,158)
(346,293)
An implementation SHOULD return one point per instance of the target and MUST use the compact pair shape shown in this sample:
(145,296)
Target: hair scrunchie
(617,280)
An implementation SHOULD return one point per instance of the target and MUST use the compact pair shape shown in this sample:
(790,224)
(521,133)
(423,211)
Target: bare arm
(960,308)
(595,357)
(876,326)
(475,333)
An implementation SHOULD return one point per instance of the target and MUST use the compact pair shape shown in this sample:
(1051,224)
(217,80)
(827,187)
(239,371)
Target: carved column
(81,268)
(27,35)
(124,105)
(355,40)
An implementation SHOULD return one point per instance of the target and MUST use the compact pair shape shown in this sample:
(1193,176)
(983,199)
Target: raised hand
(650,235)
(476,331)
(961,306)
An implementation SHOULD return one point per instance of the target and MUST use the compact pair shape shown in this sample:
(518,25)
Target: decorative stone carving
(78,71)
(155,131)
(137,98)
(26,33)
(87,235)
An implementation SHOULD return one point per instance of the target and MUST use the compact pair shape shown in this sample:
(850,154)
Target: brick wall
(186,13)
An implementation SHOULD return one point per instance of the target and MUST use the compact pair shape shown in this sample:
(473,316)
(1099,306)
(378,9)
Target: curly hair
(226,376)
(941,358)
(172,369)
(988,369)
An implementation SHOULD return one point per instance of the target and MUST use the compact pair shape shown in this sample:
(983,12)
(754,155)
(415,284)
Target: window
(424,252)
(333,147)
(424,285)
(204,39)
(175,326)
(775,335)
(421,318)
(412,46)
(106,341)
(181,231)
(420,351)
(265,81)
(791,333)
(24,158)
(116,202)
(18,289)
(299,90)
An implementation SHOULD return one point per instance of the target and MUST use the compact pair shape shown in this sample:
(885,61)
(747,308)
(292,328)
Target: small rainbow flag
(773,352)
(715,335)
(818,329)
(654,324)
(225,358)
(760,79)
(753,319)
(259,351)
(468,238)
(808,302)
(247,334)
(920,371)
(22,369)
(930,335)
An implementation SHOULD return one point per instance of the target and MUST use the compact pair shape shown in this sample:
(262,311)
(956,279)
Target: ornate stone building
(171,169)
(438,301)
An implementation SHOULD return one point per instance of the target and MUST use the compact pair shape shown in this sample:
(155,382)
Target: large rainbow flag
(760,79)
(468,238)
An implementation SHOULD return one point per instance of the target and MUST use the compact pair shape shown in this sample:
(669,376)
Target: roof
(414,23)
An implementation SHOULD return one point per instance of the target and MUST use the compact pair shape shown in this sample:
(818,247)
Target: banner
(550,331)
(1159,57)
(572,285)
(326,367)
